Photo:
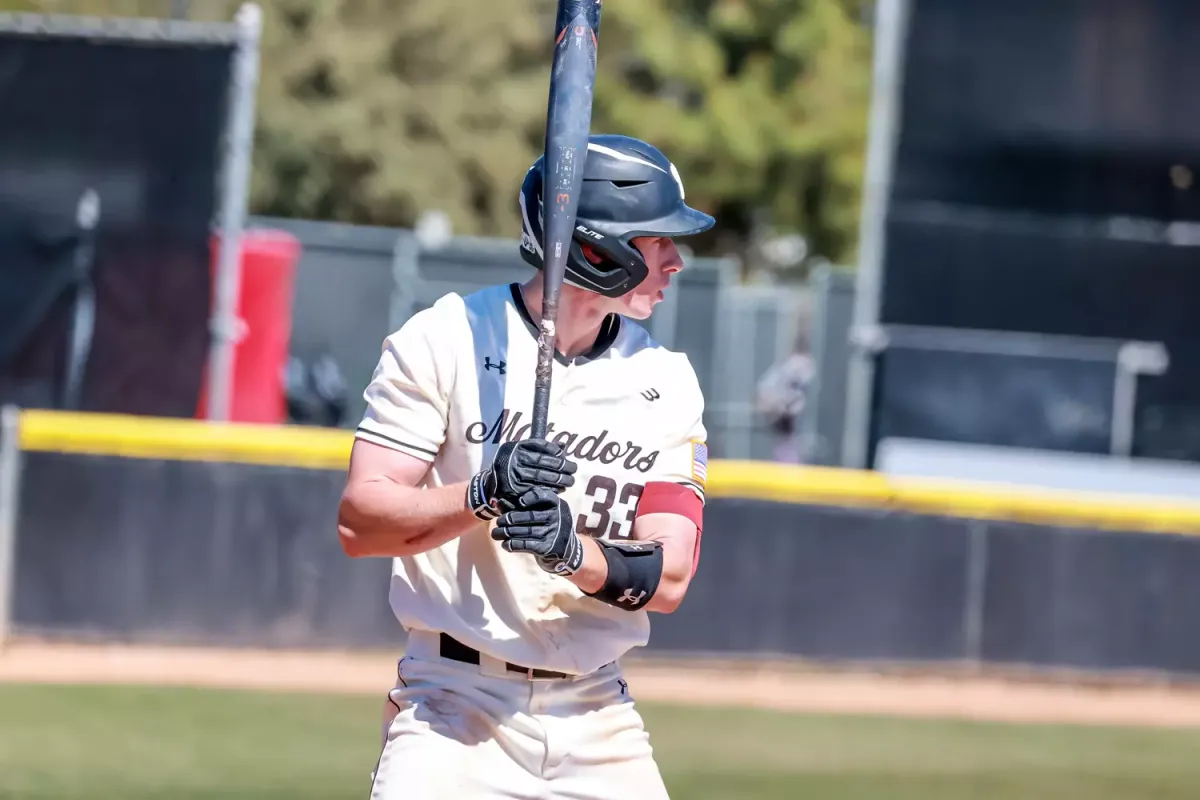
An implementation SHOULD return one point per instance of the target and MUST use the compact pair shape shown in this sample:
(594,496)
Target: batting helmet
(630,189)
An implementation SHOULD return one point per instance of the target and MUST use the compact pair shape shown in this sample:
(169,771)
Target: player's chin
(641,306)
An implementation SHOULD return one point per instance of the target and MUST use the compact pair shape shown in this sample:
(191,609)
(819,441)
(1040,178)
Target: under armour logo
(651,395)
(487,364)
(629,598)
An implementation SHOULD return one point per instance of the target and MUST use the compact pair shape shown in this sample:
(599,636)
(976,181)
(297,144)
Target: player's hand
(517,468)
(541,526)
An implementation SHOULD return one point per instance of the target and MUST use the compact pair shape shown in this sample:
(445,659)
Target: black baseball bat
(568,123)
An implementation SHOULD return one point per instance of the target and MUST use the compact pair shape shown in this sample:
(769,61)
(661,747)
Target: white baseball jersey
(455,382)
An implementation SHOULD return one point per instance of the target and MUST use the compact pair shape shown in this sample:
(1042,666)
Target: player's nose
(672,259)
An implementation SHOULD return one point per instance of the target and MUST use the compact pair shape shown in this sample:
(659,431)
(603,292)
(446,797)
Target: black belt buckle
(537,674)
(455,650)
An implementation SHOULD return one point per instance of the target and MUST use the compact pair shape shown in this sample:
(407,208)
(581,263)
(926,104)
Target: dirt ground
(783,687)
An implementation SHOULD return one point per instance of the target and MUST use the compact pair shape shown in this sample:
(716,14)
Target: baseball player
(524,569)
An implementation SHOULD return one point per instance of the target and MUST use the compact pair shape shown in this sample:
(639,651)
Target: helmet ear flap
(590,254)
(609,267)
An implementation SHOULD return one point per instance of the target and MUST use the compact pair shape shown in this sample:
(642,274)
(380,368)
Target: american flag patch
(699,462)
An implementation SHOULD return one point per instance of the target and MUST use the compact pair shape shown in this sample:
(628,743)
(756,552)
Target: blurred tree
(160,9)
(373,111)
(763,104)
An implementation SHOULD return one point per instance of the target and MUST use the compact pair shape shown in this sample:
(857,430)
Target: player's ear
(590,254)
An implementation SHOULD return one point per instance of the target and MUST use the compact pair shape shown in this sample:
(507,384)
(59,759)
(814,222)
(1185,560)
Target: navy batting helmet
(630,189)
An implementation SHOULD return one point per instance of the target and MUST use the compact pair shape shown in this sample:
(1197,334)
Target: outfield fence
(176,531)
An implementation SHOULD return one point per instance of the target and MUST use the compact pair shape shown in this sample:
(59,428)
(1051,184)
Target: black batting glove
(541,526)
(518,468)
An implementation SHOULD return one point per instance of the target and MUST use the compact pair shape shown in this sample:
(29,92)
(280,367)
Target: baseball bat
(568,123)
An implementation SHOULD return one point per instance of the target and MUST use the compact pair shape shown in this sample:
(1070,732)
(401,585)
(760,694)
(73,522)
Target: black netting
(1044,183)
(141,125)
(1064,108)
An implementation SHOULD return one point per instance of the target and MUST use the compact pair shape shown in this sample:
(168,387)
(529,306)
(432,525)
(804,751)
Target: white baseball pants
(455,731)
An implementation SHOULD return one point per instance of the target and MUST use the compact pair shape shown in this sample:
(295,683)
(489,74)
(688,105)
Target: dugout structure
(1030,224)
(126,143)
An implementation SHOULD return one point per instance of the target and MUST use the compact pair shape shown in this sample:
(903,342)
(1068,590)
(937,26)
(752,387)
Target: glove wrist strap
(571,561)
(477,500)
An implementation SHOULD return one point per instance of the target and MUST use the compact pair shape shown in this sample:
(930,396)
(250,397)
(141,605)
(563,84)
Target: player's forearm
(384,519)
(672,586)
(594,572)
(678,538)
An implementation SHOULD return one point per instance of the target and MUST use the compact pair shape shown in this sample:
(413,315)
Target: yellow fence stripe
(323,448)
(844,487)
(184,440)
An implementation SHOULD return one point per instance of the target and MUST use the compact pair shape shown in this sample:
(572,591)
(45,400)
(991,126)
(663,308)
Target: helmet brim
(685,221)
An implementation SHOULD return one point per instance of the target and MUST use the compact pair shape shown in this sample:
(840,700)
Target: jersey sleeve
(408,398)
(684,458)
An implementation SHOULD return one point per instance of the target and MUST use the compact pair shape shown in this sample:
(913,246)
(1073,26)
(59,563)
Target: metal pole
(406,279)
(891,30)
(717,392)
(1124,409)
(10,481)
(665,321)
(813,448)
(740,412)
(976,592)
(225,322)
(1134,359)
(83,324)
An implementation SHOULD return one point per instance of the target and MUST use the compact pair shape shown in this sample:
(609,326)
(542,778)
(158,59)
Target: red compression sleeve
(663,497)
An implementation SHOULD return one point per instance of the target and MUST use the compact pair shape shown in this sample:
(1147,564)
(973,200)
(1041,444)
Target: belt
(455,650)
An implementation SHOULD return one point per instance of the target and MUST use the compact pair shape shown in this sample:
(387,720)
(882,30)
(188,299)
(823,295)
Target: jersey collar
(607,336)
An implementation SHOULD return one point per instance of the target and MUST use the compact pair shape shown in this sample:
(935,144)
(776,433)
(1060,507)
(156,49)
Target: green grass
(138,743)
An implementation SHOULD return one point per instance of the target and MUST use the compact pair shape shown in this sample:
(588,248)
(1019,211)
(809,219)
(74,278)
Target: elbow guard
(634,571)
